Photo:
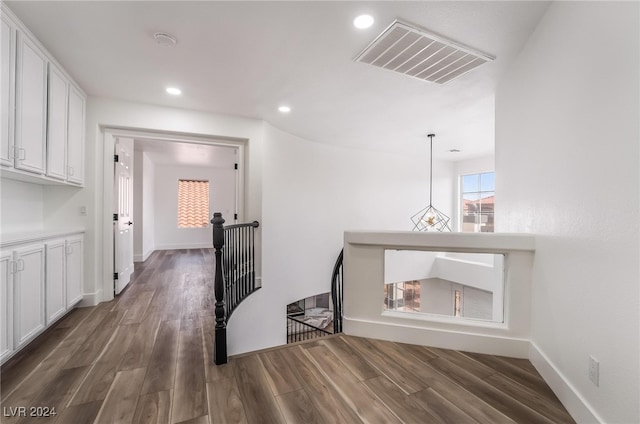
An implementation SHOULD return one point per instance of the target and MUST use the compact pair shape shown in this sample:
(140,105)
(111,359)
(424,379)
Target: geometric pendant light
(430,218)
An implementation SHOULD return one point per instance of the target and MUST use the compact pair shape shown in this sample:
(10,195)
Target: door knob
(129,223)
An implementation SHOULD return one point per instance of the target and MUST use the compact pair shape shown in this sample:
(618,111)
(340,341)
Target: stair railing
(235,277)
(336,293)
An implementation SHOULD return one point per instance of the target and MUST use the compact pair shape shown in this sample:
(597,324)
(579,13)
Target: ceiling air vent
(414,52)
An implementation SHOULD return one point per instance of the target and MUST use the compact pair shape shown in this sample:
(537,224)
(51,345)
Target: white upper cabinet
(31,106)
(75,148)
(7,74)
(57,124)
(42,112)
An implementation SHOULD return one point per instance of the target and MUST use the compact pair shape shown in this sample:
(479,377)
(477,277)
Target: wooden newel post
(221,324)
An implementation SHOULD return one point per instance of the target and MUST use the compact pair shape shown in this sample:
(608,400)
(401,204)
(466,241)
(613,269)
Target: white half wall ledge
(576,405)
(364,272)
(450,242)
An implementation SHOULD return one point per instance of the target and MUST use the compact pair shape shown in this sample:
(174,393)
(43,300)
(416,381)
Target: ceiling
(248,58)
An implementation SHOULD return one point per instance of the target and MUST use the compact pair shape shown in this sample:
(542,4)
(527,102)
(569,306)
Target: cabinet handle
(20,266)
(12,152)
(22,154)
(13,265)
(71,170)
(69,250)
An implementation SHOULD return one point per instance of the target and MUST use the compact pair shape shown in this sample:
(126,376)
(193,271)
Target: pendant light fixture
(430,218)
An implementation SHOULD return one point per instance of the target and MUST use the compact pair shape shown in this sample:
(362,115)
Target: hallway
(146,357)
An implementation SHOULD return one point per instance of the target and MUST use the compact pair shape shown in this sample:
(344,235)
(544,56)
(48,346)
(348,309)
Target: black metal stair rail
(235,277)
(336,293)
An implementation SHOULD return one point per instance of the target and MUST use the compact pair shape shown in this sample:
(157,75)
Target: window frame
(479,192)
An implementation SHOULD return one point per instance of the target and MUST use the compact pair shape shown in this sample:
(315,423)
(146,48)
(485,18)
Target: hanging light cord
(430,166)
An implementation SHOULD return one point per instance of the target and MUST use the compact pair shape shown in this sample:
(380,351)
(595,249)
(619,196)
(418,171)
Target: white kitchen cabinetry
(75,148)
(74,270)
(41,280)
(42,121)
(31,106)
(55,279)
(57,124)
(7,75)
(28,293)
(6,304)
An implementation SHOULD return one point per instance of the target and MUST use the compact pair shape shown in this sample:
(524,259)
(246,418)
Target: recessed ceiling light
(454,151)
(363,21)
(174,91)
(284,109)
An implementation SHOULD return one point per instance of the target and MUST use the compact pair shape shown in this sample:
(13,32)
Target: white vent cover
(414,52)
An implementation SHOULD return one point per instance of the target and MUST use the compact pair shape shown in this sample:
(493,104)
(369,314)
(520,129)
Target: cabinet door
(57,124)
(55,280)
(31,106)
(75,256)
(7,76)
(6,304)
(28,292)
(75,155)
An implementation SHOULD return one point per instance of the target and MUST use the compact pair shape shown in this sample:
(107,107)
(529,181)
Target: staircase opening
(310,318)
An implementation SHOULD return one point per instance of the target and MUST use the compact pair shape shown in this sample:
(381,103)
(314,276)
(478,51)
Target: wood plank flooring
(146,357)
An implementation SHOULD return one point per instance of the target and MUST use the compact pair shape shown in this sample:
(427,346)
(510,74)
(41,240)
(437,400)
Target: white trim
(446,339)
(185,246)
(576,405)
(90,299)
(144,256)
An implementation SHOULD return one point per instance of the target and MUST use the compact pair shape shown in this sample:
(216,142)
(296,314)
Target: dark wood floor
(146,357)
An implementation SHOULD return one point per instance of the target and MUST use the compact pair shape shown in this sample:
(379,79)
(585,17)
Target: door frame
(109,134)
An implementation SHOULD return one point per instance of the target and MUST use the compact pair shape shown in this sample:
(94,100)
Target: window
(193,204)
(478,198)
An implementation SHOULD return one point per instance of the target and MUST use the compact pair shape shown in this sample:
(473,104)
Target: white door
(123,213)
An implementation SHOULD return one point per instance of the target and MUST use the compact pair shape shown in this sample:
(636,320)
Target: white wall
(567,160)
(407,265)
(167,235)
(148,210)
(312,193)
(143,207)
(22,207)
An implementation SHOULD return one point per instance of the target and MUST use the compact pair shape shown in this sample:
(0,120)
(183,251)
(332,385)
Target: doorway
(174,157)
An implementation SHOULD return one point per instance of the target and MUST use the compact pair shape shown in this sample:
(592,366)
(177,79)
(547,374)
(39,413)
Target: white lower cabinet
(74,270)
(56,267)
(28,293)
(41,280)
(6,304)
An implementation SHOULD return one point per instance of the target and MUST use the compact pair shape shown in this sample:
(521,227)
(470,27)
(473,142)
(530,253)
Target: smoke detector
(414,52)
(165,39)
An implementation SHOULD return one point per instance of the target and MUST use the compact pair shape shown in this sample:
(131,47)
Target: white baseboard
(185,246)
(144,256)
(90,299)
(576,405)
(446,339)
